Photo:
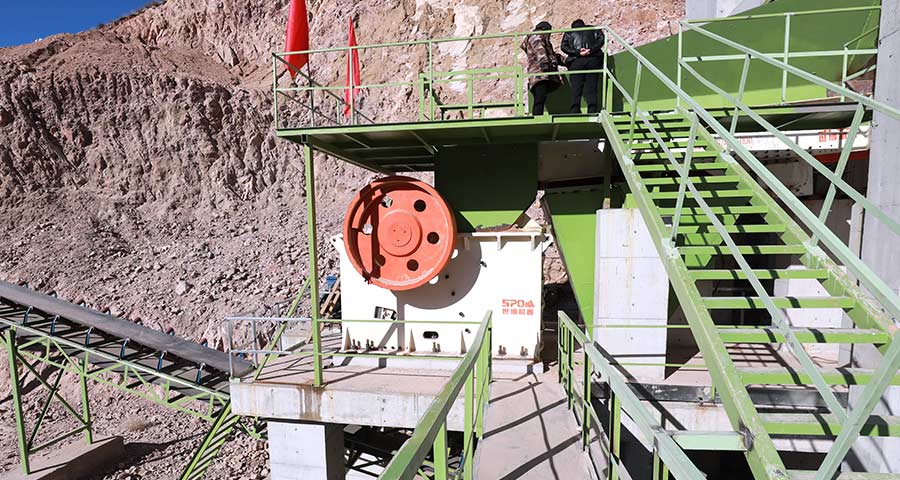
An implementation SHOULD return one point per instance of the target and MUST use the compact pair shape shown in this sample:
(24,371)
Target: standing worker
(542,59)
(584,51)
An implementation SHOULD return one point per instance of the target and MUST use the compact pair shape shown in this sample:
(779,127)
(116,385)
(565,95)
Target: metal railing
(667,455)
(703,123)
(786,54)
(472,377)
(319,102)
(504,86)
(269,351)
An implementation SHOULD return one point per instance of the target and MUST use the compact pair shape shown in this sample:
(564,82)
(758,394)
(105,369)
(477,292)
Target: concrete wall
(880,247)
(695,9)
(306,451)
(632,288)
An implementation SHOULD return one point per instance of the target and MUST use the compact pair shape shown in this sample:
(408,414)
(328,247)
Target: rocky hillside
(139,172)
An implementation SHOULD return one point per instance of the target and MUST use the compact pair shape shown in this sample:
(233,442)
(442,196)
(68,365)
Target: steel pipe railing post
(431,80)
(440,453)
(85,403)
(604,84)
(680,58)
(787,46)
(312,94)
(634,103)
(468,427)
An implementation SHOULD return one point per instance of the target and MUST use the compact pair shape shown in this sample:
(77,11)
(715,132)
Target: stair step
(646,157)
(704,194)
(811,475)
(789,376)
(743,249)
(656,118)
(804,335)
(755,303)
(724,210)
(688,229)
(761,274)
(663,128)
(668,167)
(709,179)
(653,144)
(817,424)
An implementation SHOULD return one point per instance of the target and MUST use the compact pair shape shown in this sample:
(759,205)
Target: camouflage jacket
(539,51)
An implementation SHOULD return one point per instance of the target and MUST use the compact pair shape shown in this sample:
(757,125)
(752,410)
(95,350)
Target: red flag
(352,73)
(297,35)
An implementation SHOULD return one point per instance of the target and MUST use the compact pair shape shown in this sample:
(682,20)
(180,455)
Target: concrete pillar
(306,451)
(880,247)
(631,288)
(881,250)
(695,9)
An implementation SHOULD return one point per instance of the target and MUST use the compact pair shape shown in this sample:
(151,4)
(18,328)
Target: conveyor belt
(43,315)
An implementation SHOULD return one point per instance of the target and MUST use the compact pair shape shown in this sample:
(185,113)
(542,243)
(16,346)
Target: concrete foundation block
(632,288)
(306,451)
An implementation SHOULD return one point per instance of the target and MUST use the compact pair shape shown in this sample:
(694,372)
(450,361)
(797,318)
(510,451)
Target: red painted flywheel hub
(399,233)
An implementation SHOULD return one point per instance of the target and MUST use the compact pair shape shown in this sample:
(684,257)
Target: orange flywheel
(399,233)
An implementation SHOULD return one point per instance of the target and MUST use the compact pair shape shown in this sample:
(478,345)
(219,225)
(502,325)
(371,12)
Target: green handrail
(622,399)
(430,435)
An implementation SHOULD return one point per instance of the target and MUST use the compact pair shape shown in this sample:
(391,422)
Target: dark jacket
(573,42)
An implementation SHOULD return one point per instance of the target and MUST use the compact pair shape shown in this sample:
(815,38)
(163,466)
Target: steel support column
(12,355)
(308,154)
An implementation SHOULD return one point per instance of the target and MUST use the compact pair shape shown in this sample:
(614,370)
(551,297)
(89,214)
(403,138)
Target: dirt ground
(140,173)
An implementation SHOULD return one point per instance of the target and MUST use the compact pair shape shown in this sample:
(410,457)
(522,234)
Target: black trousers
(585,84)
(540,91)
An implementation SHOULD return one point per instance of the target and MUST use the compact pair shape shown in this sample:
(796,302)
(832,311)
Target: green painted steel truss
(46,348)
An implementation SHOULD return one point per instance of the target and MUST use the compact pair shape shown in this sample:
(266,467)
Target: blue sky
(24,21)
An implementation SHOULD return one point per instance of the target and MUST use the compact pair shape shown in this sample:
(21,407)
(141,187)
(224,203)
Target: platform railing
(668,457)
(472,377)
(704,123)
(503,86)
(787,52)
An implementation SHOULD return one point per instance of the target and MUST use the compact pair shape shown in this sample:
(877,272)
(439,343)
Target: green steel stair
(698,259)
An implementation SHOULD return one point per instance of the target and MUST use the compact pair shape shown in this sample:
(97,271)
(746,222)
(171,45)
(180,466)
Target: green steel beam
(779,302)
(769,274)
(312,246)
(817,424)
(805,335)
(744,249)
(12,357)
(709,441)
(789,376)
